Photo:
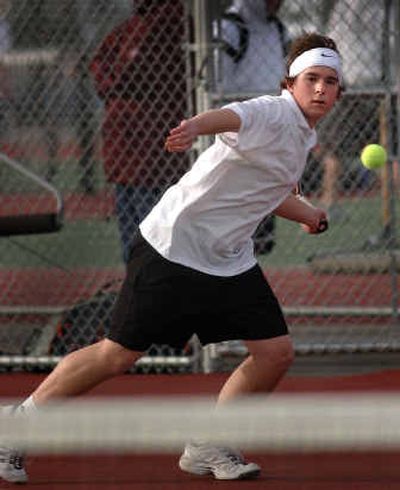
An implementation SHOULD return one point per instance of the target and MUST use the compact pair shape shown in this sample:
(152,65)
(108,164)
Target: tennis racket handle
(323,225)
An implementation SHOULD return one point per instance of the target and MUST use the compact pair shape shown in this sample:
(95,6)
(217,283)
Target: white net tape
(280,423)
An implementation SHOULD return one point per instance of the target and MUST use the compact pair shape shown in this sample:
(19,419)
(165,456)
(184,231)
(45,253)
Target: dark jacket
(139,73)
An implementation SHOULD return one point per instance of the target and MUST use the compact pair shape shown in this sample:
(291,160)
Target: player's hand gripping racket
(323,222)
(322,226)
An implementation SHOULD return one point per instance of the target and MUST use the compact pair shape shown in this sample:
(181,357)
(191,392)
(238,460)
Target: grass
(95,242)
(66,177)
(359,220)
(84,243)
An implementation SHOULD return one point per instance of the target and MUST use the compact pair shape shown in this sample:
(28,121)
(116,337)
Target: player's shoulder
(265,112)
(261,103)
(265,102)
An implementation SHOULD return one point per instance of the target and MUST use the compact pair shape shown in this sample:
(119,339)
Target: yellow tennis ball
(373,156)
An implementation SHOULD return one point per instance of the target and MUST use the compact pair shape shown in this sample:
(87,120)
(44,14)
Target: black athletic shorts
(162,302)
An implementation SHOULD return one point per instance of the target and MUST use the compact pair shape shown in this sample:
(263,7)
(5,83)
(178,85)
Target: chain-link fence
(87,95)
(339,290)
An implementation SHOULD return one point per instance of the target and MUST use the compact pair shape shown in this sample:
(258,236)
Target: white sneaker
(224,463)
(12,466)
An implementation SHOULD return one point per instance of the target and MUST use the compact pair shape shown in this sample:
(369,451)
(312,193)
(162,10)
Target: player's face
(316,90)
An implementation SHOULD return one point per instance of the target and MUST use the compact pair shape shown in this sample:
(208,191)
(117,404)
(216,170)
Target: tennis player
(192,268)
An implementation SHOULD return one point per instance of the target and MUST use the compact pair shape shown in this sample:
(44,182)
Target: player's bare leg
(84,369)
(261,371)
(76,374)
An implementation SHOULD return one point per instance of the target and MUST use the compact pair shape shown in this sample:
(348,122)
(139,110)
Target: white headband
(317,57)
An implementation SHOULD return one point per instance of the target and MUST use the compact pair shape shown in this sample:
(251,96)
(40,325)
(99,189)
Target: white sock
(27,407)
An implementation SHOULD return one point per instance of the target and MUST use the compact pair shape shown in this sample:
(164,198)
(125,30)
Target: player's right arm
(296,208)
(210,122)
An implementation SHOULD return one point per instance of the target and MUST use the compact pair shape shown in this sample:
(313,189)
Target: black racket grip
(322,226)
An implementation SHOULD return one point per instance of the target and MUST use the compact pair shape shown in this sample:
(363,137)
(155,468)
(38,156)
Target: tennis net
(279,423)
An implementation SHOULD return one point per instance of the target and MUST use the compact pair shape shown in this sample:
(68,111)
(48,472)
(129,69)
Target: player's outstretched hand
(182,137)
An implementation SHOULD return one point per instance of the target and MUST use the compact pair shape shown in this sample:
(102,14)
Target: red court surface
(289,472)
(329,471)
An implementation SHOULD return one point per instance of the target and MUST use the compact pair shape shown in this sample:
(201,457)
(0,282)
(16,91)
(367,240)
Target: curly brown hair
(304,43)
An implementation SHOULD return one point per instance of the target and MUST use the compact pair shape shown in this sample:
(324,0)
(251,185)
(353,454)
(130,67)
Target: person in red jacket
(139,73)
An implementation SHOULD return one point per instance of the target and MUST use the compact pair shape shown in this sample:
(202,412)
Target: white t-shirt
(207,219)
(263,65)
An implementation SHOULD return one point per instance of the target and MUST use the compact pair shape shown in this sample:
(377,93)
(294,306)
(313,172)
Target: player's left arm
(211,122)
(296,208)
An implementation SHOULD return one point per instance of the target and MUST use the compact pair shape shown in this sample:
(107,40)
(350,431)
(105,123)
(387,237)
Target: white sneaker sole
(185,464)
(21,479)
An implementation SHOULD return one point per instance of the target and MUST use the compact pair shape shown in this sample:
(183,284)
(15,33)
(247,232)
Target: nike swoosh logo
(326,55)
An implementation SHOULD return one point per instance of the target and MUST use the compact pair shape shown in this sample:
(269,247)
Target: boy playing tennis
(192,268)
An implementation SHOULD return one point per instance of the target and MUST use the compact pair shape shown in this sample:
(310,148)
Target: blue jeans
(132,204)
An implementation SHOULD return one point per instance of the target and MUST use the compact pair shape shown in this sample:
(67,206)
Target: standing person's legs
(87,148)
(330,180)
(132,204)
(124,205)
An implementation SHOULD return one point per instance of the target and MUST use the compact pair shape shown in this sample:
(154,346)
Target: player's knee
(283,356)
(278,352)
(287,356)
(117,358)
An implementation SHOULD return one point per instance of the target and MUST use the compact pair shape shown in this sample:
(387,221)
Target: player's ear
(289,83)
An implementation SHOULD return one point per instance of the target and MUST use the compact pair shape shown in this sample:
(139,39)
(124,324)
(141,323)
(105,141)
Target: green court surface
(94,241)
